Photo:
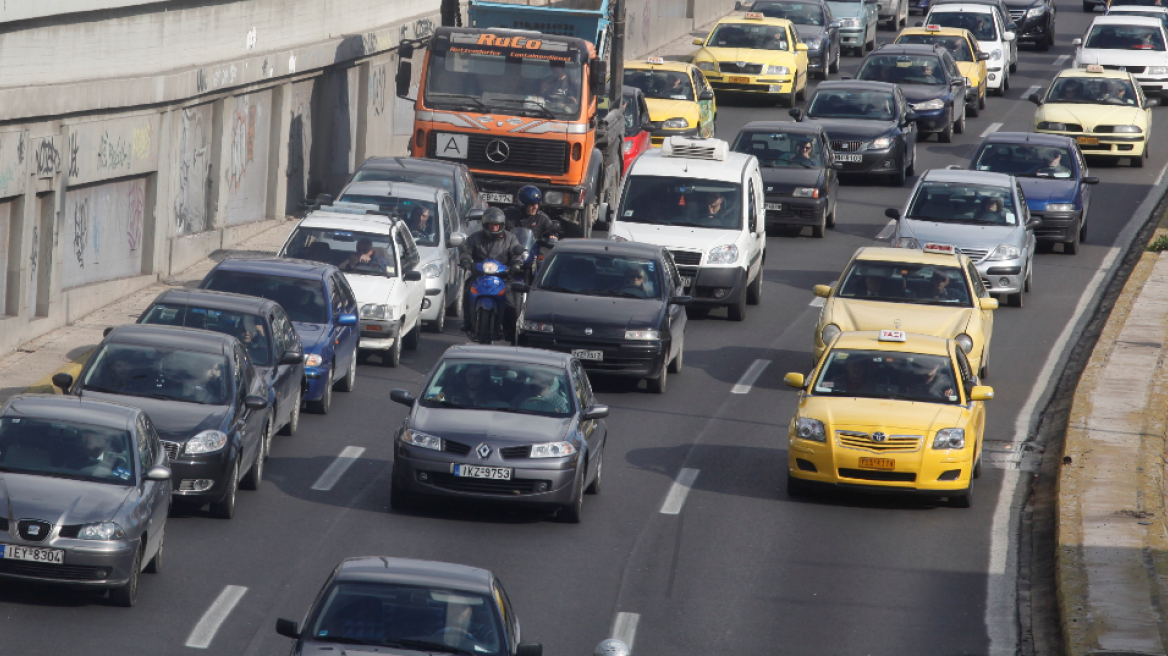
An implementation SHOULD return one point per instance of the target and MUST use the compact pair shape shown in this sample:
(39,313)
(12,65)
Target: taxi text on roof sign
(893,336)
(654,60)
(1094,68)
(754,15)
(946,249)
(933,28)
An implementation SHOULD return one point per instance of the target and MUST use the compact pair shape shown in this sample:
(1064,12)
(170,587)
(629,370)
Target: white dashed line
(204,632)
(1032,90)
(994,127)
(886,231)
(818,301)
(1061,59)
(625,628)
(334,472)
(674,501)
(751,375)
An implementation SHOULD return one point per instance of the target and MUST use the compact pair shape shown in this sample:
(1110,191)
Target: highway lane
(740,569)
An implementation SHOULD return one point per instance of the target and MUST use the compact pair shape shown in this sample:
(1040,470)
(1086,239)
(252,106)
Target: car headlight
(553,198)
(725,254)
(627,147)
(313,360)
(1127,129)
(432,270)
(1060,207)
(1156,70)
(880,143)
(907,242)
(849,22)
(537,326)
(935,103)
(810,429)
(209,441)
(1036,11)
(707,66)
(374,311)
(829,332)
(643,335)
(965,342)
(552,450)
(814,43)
(422,440)
(102,531)
(995,55)
(675,123)
(778,70)
(806,192)
(1006,252)
(1052,125)
(949,438)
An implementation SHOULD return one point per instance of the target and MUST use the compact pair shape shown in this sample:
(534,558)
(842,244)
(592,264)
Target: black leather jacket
(539,224)
(480,245)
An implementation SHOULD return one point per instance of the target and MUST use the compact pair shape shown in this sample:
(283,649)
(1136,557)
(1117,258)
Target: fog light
(887,164)
(1003,282)
(993,76)
(805,465)
(951,475)
(102,573)
(423,476)
(720,292)
(541,487)
(196,484)
(425,304)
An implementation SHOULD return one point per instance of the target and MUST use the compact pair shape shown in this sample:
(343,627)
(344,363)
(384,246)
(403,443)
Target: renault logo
(498,151)
(484,451)
(587,331)
(878,436)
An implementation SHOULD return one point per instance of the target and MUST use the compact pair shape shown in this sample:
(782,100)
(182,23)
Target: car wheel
(412,338)
(737,311)
(963,499)
(392,357)
(1029,278)
(572,512)
(947,135)
(801,94)
(255,476)
(322,406)
(977,467)
(657,385)
(984,372)
(871,45)
(797,487)
(1014,66)
(1083,226)
(911,169)
(836,64)
(831,221)
(594,488)
(346,384)
(981,97)
(455,309)
(127,595)
(155,564)
(1043,44)
(788,99)
(293,424)
(1014,300)
(1072,247)
(1138,162)
(678,360)
(825,67)
(1005,84)
(399,499)
(817,231)
(900,177)
(959,125)
(225,507)
(972,110)
(438,325)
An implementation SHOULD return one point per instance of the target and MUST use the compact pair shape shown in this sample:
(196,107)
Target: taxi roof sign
(893,336)
(933,28)
(754,15)
(944,249)
(1094,68)
(654,60)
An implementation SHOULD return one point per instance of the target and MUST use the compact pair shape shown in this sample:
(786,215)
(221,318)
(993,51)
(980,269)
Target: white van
(704,203)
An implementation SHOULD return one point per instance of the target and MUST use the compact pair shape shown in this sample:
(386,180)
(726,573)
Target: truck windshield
(686,202)
(500,83)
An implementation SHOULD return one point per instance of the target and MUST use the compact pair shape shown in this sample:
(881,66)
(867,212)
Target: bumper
(919,472)
(1032,29)
(658,137)
(795,211)
(621,358)
(714,287)
(88,563)
(495,184)
(1004,277)
(750,83)
(994,77)
(548,484)
(1107,145)
(377,335)
(876,162)
(191,473)
(315,379)
(1058,227)
(1152,86)
(817,59)
(934,120)
(434,301)
(853,37)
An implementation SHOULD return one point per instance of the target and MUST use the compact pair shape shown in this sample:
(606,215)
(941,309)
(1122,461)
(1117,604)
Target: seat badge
(587,331)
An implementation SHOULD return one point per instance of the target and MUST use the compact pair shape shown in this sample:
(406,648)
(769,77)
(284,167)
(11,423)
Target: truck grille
(523,155)
(686,258)
(846,146)
(733,67)
(891,444)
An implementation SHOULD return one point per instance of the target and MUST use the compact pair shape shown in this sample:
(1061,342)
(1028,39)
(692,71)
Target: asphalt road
(741,569)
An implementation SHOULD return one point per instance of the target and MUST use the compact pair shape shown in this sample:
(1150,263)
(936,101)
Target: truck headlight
(965,342)
(806,192)
(949,438)
(553,198)
(810,429)
(707,66)
(552,450)
(422,440)
(935,103)
(778,70)
(675,123)
(643,335)
(725,254)
(829,332)
(1005,252)
(209,441)
(907,242)
(374,311)
(1060,207)
(102,531)
(432,270)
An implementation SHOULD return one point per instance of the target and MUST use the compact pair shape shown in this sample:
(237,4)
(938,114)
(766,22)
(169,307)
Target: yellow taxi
(971,62)
(889,410)
(935,291)
(679,98)
(755,54)
(1105,111)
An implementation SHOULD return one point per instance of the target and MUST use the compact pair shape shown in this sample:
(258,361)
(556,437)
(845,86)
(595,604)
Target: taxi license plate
(686,281)
(1088,141)
(498,198)
(849,157)
(774,206)
(739,80)
(14,552)
(474,471)
(878,463)
(584,354)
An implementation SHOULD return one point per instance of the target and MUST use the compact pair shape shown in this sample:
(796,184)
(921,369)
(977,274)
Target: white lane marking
(818,301)
(886,231)
(625,628)
(994,127)
(1061,59)
(204,632)
(338,468)
(1032,90)
(752,373)
(677,494)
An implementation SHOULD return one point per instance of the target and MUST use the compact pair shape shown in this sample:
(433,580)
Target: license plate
(584,354)
(686,281)
(849,157)
(878,463)
(452,146)
(774,206)
(740,80)
(498,198)
(15,552)
(1088,141)
(474,471)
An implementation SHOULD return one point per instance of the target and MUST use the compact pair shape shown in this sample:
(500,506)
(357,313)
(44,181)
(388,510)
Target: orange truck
(524,97)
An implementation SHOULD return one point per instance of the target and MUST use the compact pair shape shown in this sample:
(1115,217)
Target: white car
(1136,44)
(705,204)
(377,254)
(437,242)
(993,34)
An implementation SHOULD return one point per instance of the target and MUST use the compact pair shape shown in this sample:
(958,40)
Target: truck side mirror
(405,51)
(598,75)
(405,73)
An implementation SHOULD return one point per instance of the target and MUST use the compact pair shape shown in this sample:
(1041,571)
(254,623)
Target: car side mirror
(822,291)
(107,331)
(987,303)
(529,649)
(1090,180)
(698,42)
(157,474)
(892,213)
(595,412)
(795,113)
(1076,42)
(324,199)
(709,95)
(455,239)
(403,397)
(650,126)
(981,393)
(1153,102)
(1007,37)
(350,319)
(292,357)
(983,56)
(911,116)
(795,380)
(63,382)
(288,628)
(802,47)
(405,73)
(412,276)
(1035,98)
(475,215)
(520,287)
(1033,223)
(681,300)
(964,81)
(253,402)
(1011,27)
(835,24)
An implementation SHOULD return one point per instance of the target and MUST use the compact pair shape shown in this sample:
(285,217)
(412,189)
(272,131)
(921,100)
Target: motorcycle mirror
(517,250)
(557,227)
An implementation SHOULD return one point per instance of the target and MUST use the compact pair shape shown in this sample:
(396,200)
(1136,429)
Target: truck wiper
(462,96)
(531,105)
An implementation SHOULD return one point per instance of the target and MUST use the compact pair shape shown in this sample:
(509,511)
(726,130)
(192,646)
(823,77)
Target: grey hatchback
(85,491)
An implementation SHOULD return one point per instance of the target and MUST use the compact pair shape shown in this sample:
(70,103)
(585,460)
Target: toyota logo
(484,451)
(878,436)
(498,151)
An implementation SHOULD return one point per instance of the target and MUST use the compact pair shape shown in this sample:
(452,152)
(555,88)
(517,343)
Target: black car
(615,306)
(505,424)
(451,176)
(928,76)
(798,172)
(816,27)
(411,606)
(263,328)
(1035,20)
(206,399)
(870,125)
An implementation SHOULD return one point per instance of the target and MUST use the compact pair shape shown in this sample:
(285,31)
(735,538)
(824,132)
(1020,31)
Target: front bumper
(817,59)
(750,83)
(187,471)
(315,379)
(1107,145)
(1153,85)
(636,359)
(434,301)
(1057,227)
(88,563)
(714,286)
(795,211)
(378,335)
(919,472)
(496,184)
(853,37)
(431,474)
(874,162)
(1003,276)
(994,76)
(934,120)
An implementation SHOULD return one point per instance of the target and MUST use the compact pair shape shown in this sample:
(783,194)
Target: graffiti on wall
(194,167)
(80,215)
(113,152)
(12,163)
(100,150)
(136,204)
(377,81)
(246,135)
(243,133)
(299,144)
(48,157)
(103,225)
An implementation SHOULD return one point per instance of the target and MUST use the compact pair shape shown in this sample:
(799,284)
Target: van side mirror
(412,276)
(795,113)
(405,73)
(455,239)
(292,357)
(63,382)
(597,75)
(347,320)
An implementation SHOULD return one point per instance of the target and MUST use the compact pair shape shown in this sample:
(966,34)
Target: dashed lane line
(1061,59)
(752,373)
(204,632)
(993,127)
(338,468)
(625,628)
(677,494)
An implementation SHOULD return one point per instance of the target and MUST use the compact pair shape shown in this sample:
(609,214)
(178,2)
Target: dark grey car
(451,176)
(84,494)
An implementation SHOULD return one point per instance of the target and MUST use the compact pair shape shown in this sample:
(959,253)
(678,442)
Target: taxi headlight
(432,270)
(552,450)
(643,335)
(995,55)
(907,242)
(209,441)
(1051,125)
(313,360)
(374,311)
(725,254)
(1060,207)
(553,198)
(849,22)
(949,438)
(880,143)
(829,332)
(935,103)
(1005,252)
(965,342)
(707,66)
(1127,129)
(810,429)
(102,531)
(1156,70)
(422,440)
(806,192)
(675,123)
(778,70)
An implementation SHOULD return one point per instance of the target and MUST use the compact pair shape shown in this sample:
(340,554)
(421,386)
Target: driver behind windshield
(804,154)
(367,255)
(991,211)
(197,379)
(1052,164)
(558,85)
(715,212)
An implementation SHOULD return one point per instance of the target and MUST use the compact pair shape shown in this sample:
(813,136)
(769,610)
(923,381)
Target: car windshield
(1026,160)
(957,46)
(601,275)
(902,282)
(420,215)
(799,13)
(368,253)
(160,373)
(66,449)
(782,150)
(750,36)
(518,82)
(888,375)
(1136,3)
(662,85)
(302,298)
(958,202)
(1158,15)
(685,202)
(408,617)
(247,328)
(424,178)
(980,23)
(519,387)
(1125,37)
(842,103)
(1092,91)
(902,69)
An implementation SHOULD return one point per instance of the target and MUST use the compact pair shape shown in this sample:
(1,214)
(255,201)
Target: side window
(449,216)
(242,384)
(978,285)
(752,205)
(697,82)
(336,298)
(1022,209)
(509,619)
(468,198)
(279,338)
(155,442)
(145,450)
(828,153)
(406,248)
(581,390)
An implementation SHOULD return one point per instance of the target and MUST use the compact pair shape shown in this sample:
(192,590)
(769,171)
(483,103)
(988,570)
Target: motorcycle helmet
(612,647)
(493,217)
(529,195)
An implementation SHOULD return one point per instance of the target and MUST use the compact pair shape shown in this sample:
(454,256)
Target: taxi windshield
(799,13)
(888,375)
(1026,160)
(518,387)
(662,85)
(958,202)
(957,46)
(751,36)
(981,24)
(1092,91)
(682,202)
(871,105)
(902,69)
(1125,37)
(777,149)
(66,449)
(901,282)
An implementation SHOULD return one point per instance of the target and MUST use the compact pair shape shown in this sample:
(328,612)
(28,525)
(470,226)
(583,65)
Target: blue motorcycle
(488,300)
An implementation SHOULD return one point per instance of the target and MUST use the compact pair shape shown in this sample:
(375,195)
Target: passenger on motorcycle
(493,242)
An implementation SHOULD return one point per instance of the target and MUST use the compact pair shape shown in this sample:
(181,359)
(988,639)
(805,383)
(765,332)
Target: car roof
(741,19)
(908,49)
(410,571)
(633,248)
(787,127)
(965,175)
(944,31)
(1037,138)
(1146,21)
(72,408)
(407,190)
(1123,9)
(970,6)
(216,300)
(1107,73)
(861,85)
(655,163)
(279,266)
(762,3)
(186,339)
(409,164)
(987,3)
(642,65)
(508,354)
(906,255)
(914,343)
(375,223)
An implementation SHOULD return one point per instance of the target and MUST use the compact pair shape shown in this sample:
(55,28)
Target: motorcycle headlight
(432,270)
(829,332)
(102,531)
(810,429)
(907,242)
(537,326)
(995,55)
(1051,125)
(1156,70)
(1060,207)
(778,70)
(849,22)
(965,342)
(806,192)
(726,254)
(313,360)
(209,441)
(1127,129)
(1036,11)
(707,66)
(675,123)
(374,311)
(643,335)
(1006,252)
(880,143)
(949,438)
(553,198)
(490,268)
(552,450)
(422,440)
(935,103)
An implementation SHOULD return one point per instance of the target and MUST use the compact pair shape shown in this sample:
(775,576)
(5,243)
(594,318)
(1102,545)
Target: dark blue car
(928,76)
(1053,175)
(321,306)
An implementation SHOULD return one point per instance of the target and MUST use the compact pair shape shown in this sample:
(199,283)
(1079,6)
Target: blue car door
(345,338)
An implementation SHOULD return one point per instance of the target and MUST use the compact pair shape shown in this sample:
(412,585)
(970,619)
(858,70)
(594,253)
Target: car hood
(1040,191)
(850,129)
(784,180)
(809,32)
(960,235)
(499,427)
(749,55)
(312,335)
(915,93)
(663,109)
(336,649)
(856,314)
(426,255)
(694,239)
(176,421)
(1088,115)
(846,9)
(608,317)
(59,500)
(1116,57)
(372,289)
(891,417)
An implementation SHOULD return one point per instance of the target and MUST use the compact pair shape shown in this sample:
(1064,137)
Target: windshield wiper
(425,645)
(344,640)
(99,388)
(554,288)
(691,224)
(622,294)
(531,105)
(475,101)
(447,404)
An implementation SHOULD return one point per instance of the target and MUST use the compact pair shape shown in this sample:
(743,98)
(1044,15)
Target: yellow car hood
(891,417)
(661,109)
(748,55)
(1091,115)
(874,315)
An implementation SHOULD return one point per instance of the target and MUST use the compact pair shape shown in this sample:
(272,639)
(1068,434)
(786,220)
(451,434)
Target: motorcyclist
(527,214)
(493,242)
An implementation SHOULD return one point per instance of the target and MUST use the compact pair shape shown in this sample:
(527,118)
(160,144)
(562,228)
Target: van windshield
(687,202)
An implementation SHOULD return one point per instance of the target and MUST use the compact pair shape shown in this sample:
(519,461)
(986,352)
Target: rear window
(247,328)
(302,298)
(982,25)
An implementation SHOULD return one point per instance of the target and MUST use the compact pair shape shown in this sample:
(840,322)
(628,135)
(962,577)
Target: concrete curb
(45,385)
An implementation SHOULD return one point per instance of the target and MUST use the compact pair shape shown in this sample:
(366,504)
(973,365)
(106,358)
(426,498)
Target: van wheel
(754,289)
(392,357)
(737,311)
(678,360)
(346,384)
